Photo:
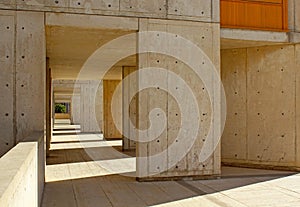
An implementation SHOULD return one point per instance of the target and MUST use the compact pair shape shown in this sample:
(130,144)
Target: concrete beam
(91,21)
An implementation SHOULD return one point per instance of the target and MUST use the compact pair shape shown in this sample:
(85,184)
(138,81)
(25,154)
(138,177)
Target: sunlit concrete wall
(22,173)
(196,10)
(206,36)
(262,89)
(22,76)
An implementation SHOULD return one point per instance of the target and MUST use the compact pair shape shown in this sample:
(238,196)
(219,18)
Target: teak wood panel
(110,129)
(255,14)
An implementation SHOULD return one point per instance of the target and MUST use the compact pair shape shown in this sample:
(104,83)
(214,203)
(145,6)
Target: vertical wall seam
(15,81)
(167,8)
(246,73)
(167,106)
(295,97)
(294,16)
(212,14)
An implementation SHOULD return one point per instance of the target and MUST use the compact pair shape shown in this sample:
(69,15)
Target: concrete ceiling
(68,48)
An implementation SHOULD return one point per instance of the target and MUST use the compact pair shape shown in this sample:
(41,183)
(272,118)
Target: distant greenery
(60,108)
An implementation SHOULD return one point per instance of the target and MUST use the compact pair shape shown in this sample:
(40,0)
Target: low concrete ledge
(20,180)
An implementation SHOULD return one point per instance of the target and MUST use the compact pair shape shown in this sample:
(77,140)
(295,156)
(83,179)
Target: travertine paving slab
(73,178)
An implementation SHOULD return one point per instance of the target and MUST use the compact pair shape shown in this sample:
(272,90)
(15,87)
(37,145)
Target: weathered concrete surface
(68,51)
(196,10)
(91,121)
(7,61)
(297,79)
(294,15)
(261,92)
(23,76)
(23,173)
(151,98)
(30,73)
(75,118)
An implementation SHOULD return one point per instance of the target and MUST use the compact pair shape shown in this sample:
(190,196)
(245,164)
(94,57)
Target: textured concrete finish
(262,86)
(261,93)
(190,164)
(75,179)
(22,173)
(23,63)
(196,10)
(68,51)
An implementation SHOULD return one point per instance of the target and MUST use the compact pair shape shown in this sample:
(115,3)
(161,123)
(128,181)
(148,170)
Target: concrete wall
(22,173)
(199,10)
(22,57)
(262,89)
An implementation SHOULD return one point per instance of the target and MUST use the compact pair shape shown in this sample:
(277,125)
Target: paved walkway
(92,177)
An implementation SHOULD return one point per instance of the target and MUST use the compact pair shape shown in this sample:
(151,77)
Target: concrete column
(167,154)
(48,107)
(7,78)
(22,76)
(88,116)
(75,108)
(30,73)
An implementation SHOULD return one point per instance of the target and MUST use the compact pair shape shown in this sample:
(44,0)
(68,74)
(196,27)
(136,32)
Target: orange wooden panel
(262,1)
(255,14)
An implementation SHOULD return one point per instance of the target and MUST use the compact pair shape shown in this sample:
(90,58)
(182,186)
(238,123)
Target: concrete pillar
(88,96)
(48,107)
(22,76)
(75,109)
(7,77)
(30,73)
(161,156)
